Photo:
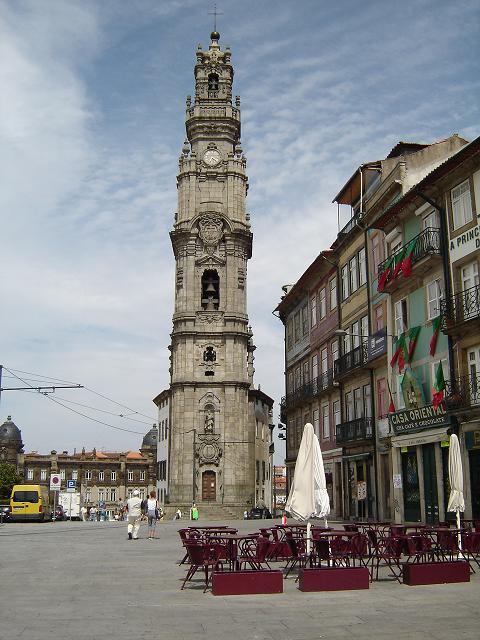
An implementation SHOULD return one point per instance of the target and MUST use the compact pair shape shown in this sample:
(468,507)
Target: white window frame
(313,310)
(401,316)
(353,274)
(462,212)
(130,476)
(101,476)
(142,476)
(323,303)
(101,495)
(337,413)
(314,366)
(345,282)
(364,329)
(316,422)
(88,495)
(324,361)
(472,267)
(74,474)
(349,406)
(430,220)
(113,476)
(113,494)
(356,334)
(362,267)
(62,474)
(326,421)
(29,474)
(305,320)
(43,474)
(88,475)
(333,293)
(334,351)
(433,296)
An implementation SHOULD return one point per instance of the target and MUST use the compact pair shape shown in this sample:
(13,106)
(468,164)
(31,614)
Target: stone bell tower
(212,438)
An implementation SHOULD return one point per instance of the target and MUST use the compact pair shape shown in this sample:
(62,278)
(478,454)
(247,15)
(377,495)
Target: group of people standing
(137,508)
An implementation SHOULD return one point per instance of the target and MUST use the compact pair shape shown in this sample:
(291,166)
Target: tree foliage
(8,477)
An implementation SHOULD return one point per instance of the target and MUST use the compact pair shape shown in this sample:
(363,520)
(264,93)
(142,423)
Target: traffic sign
(71,485)
(55,482)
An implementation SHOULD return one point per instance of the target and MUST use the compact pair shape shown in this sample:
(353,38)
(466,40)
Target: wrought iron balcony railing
(426,243)
(463,393)
(324,382)
(352,360)
(354,430)
(460,308)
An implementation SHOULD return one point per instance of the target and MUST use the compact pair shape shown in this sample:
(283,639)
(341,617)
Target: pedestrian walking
(194,512)
(134,508)
(83,511)
(152,514)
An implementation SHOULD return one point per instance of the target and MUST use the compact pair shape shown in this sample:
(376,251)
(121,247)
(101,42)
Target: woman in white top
(152,511)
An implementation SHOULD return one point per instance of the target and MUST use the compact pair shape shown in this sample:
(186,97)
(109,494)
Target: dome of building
(151,438)
(9,432)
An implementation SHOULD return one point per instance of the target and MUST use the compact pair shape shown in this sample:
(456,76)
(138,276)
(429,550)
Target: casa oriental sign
(418,419)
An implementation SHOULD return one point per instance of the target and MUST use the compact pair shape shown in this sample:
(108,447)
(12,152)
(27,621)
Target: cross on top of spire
(215,13)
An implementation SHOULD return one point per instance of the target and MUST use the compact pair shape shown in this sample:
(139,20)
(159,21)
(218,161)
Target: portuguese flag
(408,258)
(413,334)
(398,263)
(438,386)
(391,406)
(436,330)
(400,353)
(382,279)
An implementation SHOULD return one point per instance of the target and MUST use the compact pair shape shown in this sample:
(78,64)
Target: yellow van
(30,502)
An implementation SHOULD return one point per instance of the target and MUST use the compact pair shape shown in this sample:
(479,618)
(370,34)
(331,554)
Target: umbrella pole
(459,533)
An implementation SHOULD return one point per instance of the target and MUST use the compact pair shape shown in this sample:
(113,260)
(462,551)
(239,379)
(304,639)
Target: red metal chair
(471,548)
(253,552)
(201,556)
(385,552)
(299,553)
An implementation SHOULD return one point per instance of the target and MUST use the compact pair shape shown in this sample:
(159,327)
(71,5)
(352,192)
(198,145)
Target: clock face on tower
(211,157)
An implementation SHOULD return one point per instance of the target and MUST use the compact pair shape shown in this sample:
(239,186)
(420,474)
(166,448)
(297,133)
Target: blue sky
(91,127)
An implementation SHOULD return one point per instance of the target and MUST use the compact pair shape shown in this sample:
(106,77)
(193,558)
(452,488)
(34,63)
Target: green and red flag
(400,354)
(398,263)
(383,277)
(438,386)
(408,258)
(413,334)
(436,322)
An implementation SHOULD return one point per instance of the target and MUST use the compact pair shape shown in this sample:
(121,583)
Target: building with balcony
(309,311)
(415,274)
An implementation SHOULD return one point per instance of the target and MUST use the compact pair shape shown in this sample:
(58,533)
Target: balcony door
(473,359)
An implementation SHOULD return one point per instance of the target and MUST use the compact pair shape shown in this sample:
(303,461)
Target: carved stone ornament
(208,449)
(209,317)
(210,230)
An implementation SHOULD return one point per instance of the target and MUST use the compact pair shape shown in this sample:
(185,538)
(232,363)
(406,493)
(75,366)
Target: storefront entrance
(411,487)
(474,456)
(209,486)
(430,484)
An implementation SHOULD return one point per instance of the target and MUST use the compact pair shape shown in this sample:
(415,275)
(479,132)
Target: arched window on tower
(210,290)
(213,82)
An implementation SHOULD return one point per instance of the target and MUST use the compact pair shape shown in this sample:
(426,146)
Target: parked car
(258,513)
(4,512)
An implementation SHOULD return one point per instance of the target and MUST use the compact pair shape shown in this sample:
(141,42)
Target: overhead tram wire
(87,406)
(84,415)
(39,376)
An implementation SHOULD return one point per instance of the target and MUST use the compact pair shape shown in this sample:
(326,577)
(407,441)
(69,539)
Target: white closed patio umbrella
(456,501)
(308,495)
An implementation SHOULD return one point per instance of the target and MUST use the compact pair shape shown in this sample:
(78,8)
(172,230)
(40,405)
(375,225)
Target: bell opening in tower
(213,82)
(210,290)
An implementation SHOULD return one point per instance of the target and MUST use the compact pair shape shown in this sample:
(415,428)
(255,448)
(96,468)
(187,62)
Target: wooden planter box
(236,583)
(436,572)
(334,579)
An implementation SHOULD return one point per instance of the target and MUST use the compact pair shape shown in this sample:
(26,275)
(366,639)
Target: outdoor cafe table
(231,543)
